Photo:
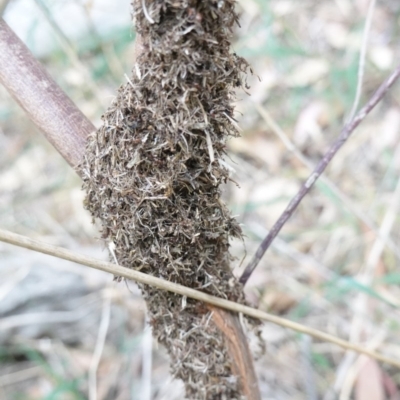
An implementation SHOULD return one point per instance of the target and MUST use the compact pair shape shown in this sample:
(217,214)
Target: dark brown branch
(319,169)
(47,105)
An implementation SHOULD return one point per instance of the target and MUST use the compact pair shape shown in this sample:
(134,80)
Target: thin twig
(116,270)
(363,54)
(319,169)
(355,209)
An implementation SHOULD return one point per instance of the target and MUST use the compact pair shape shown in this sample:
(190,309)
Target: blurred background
(69,332)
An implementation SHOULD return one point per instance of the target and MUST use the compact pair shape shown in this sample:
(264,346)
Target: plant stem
(116,270)
(46,104)
(319,169)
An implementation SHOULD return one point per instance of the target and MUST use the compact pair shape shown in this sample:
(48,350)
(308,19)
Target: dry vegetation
(327,269)
(153,173)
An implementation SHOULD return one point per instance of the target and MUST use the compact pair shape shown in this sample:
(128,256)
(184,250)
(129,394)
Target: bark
(51,110)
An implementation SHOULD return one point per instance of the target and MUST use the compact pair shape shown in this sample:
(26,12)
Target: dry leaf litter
(153,173)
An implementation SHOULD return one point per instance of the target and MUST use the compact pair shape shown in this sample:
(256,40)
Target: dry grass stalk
(23,241)
(152,174)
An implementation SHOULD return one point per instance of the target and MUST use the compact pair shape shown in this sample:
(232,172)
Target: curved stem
(319,169)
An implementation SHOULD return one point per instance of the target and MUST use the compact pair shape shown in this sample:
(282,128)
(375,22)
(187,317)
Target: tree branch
(319,169)
(46,104)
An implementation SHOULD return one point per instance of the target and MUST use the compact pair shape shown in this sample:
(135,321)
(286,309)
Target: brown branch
(319,169)
(46,104)
(236,342)
(67,128)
